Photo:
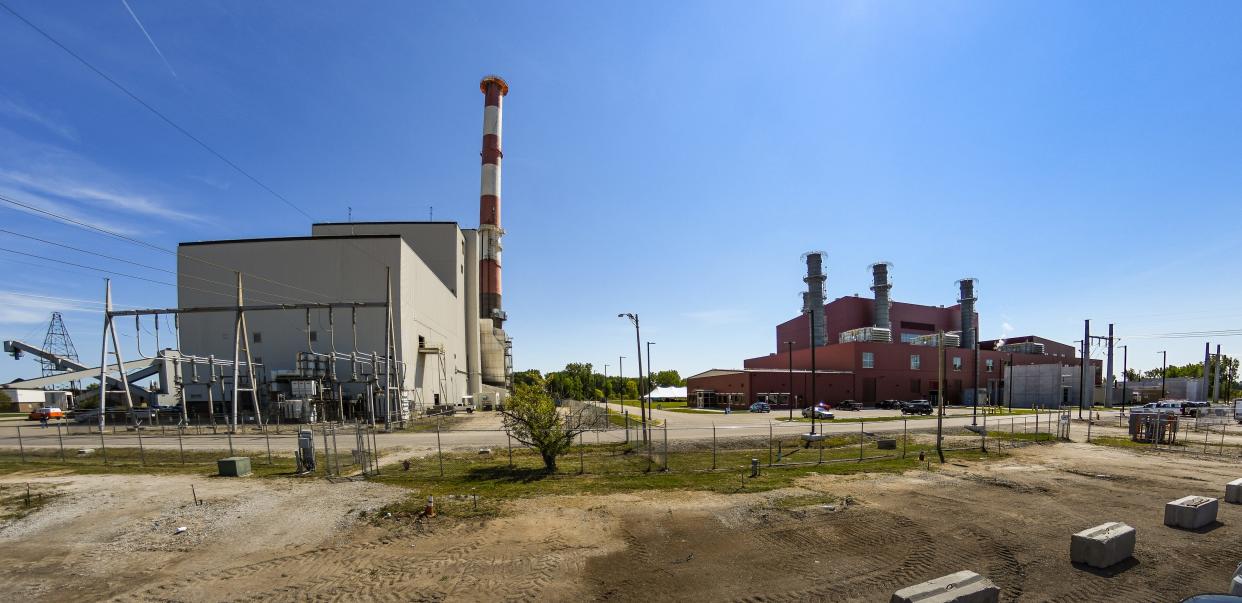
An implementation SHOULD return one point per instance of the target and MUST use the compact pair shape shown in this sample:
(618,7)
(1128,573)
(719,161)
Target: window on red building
(915,362)
(868,360)
(957,363)
(989,364)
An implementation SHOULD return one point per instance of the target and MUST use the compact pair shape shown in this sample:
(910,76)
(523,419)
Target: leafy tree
(528,377)
(669,378)
(533,419)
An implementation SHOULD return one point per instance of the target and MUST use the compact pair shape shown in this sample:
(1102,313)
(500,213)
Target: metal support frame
(109,332)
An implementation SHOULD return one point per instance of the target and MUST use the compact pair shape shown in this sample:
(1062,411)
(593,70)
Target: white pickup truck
(1237,409)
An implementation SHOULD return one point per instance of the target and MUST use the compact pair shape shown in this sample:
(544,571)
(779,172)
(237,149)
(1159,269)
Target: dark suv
(916,407)
(890,404)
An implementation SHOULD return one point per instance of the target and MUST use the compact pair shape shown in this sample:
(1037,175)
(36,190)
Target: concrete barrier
(1104,545)
(1233,491)
(886,444)
(1190,512)
(961,587)
(234,466)
(1236,587)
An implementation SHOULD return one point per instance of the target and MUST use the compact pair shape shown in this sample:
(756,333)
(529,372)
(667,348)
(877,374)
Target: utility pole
(1125,374)
(1108,394)
(1086,362)
(789,347)
(974,408)
(1216,377)
(1009,383)
(1164,372)
(649,381)
(939,394)
(814,401)
(607,388)
(638,345)
(1207,354)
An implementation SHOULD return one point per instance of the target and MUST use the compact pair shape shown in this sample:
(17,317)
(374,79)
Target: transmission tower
(58,342)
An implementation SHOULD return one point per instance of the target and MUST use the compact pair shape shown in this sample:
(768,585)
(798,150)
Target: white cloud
(61,209)
(17,110)
(16,308)
(96,195)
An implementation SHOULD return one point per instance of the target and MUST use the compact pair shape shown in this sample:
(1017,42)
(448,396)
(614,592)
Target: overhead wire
(172,123)
(149,267)
(117,235)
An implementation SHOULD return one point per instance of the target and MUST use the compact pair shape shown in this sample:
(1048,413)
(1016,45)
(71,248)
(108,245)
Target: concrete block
(1233,491)
(886,444)
(1104,545)
(234,466)
(1190,512)
(961,587)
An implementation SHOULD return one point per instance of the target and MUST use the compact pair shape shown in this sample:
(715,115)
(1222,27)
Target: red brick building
(870,371)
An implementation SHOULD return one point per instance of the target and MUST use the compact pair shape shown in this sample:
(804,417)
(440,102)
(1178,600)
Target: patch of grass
(130,461)
(618,419)
(614,468)
(701,411)
(19,500)
(429,424)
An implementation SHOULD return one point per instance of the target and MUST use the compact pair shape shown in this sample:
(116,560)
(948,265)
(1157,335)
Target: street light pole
(1009,384)
(649,381)
(811,323)
(1164,372)
(606,390)
(940,394)
(974,407)
(789,347)
(1124,377)
(638,344)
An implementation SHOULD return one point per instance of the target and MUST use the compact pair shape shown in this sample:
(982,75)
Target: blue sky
(670,159)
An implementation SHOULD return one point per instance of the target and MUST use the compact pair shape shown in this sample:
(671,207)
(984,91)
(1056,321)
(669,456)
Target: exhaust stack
(494,90)
(815,296)
(967,301)
(881,286)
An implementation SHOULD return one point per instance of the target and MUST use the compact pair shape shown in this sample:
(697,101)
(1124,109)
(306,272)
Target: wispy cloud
(17,110)
(34,308)
(722,316)
(223,185)
(94,194)
(149,39)
(62,209)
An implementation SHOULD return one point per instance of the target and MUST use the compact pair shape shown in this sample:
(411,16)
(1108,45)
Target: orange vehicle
(49,412)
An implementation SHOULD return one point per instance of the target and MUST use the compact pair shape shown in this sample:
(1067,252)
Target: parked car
(893,404)
(86,416)
(1192,408)
(850,405)
(916,407)
(819,412)
(49,412)
(760,407)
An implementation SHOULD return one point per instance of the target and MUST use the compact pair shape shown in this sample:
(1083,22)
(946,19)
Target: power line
(156,112)
(123,274)
(174,273)
(117,235)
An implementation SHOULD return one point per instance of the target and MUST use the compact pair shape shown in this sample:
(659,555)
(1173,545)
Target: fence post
(1223,428)
(713,445)
(983,437)
(61,441)
(142,452)
(861,437)
(230,434)
(268,440)
(904,439)
(769,443)
(21,447)
(180,445)
(336,453)
(581,457)
(509,439)
(439,451)
(327,455)
(103,448)
(666,445)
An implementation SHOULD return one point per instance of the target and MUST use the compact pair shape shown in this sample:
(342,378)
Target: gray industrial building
(440,282)
(1049,385)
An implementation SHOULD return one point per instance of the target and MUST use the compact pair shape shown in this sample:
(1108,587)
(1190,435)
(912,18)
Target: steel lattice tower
(58,342)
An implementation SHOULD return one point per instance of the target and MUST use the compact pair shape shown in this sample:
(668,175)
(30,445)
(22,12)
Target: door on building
(868,390)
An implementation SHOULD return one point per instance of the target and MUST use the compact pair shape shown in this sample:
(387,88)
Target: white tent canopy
(668,393)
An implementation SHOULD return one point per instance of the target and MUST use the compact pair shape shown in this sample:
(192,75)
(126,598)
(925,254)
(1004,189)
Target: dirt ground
(856,538)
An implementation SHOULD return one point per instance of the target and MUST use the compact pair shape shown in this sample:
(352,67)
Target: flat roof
(386,222)
(307,238)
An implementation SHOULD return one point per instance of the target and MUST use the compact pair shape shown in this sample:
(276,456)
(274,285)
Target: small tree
(533,419)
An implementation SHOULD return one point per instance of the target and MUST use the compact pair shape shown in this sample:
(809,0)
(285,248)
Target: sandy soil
(112,538)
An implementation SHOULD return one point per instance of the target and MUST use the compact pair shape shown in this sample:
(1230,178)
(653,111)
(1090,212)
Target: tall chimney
(968,311)
(881,286)
(494,89)
(815,296)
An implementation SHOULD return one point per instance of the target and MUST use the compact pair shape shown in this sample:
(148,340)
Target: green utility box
(234,466)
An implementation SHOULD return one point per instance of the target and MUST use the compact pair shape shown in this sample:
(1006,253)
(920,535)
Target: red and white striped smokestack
(494,90)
